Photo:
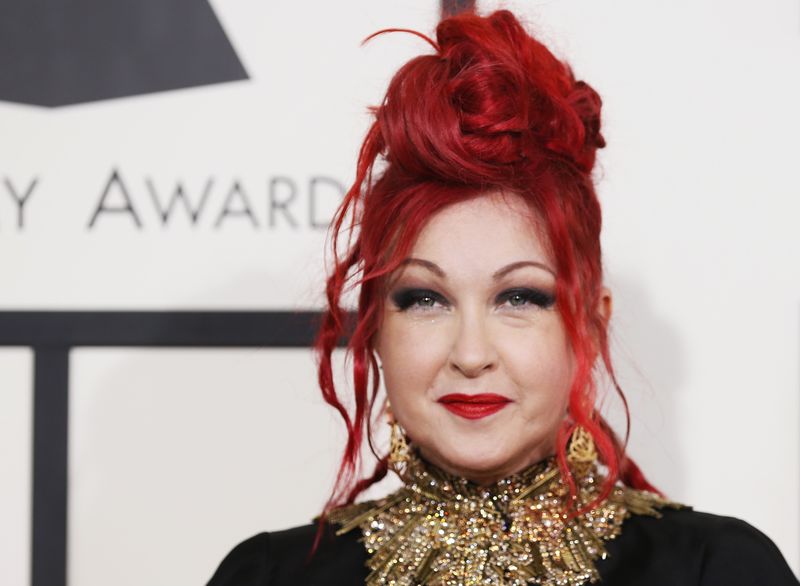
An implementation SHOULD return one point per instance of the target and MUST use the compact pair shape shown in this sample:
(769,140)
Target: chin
(474,457)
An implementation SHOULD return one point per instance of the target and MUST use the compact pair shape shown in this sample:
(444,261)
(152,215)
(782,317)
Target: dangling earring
(581,452)
(398,446)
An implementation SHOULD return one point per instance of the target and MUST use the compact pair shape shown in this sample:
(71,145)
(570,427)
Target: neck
(426,478)
(486,477)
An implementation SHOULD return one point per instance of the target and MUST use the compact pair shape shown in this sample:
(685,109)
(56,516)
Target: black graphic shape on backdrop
(453,7)
(59,53)
(52,334)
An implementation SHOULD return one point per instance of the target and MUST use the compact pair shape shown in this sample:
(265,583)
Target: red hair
(490,110)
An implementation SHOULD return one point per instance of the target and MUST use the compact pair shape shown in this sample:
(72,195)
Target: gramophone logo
(55,53)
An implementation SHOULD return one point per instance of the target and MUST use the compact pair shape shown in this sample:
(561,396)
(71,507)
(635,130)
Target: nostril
(472,351)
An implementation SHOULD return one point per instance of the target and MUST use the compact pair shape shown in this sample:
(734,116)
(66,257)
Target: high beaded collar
(443,530)
(434,483)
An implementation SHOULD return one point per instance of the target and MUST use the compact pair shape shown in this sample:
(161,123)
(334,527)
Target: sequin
(441,530)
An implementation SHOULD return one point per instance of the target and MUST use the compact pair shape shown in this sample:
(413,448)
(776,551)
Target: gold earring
(581,451)
(398,446)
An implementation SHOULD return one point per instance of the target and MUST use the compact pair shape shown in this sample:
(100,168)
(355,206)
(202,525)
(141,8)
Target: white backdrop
(176,455)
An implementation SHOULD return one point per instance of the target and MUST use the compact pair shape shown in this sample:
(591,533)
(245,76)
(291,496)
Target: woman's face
(476,361)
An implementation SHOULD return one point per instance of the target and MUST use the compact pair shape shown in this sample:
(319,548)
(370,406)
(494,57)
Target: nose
(472,352)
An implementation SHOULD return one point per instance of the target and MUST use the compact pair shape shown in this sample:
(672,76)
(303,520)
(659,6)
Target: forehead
(485,230)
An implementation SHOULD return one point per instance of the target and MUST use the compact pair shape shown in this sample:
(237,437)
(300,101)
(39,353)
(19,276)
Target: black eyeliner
(532,295)
(408,296)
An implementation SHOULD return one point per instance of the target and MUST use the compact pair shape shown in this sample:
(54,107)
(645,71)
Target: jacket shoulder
(691,547)
(247,564)
(288,557)
(735,552)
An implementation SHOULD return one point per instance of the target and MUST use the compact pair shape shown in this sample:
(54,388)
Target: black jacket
(683,548)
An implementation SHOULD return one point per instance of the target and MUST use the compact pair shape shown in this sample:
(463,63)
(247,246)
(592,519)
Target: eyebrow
(426,264)
(498,274)
(520,264)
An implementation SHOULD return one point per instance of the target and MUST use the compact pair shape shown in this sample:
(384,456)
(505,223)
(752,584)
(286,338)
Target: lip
(474,406)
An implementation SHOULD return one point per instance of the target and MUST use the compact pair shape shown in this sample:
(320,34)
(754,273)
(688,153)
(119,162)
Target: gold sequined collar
(442,530)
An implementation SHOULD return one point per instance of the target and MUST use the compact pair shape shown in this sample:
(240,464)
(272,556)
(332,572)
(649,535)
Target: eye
(525,296)
(423,299)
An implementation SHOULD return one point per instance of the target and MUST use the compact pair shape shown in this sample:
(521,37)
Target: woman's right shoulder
(288,557)
(247,564)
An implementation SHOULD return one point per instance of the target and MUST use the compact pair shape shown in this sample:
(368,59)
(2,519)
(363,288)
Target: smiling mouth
(474,406)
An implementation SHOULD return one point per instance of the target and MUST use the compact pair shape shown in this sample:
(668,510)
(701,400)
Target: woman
(472,233)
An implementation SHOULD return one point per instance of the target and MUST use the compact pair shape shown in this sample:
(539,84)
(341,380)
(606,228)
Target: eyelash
(405,299)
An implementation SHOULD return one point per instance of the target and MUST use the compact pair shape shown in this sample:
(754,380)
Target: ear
(604,305)
(603,311)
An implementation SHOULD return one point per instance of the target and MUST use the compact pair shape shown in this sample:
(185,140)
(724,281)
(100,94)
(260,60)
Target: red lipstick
(474,406)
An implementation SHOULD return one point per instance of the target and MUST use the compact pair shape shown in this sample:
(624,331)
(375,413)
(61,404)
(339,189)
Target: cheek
(541,364)
(412,355)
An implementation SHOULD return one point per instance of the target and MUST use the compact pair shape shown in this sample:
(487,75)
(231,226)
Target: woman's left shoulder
(685,546)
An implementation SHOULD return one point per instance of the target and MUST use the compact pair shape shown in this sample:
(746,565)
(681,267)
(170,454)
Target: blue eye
(421,298)
(523,296)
